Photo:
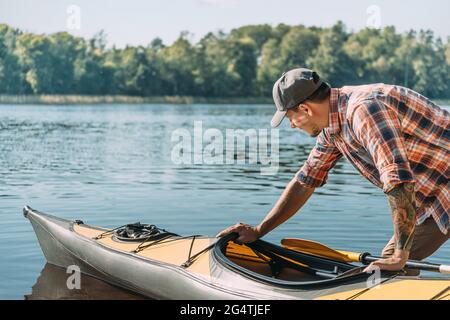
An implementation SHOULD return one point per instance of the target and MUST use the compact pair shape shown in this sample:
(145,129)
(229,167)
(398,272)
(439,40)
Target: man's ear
(305,108)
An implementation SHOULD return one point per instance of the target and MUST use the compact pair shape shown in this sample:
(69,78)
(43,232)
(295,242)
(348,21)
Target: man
(396,138)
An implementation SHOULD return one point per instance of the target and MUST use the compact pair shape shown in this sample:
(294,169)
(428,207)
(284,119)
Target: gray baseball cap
(294,87)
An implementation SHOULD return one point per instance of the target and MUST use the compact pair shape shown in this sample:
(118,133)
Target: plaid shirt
(391,135)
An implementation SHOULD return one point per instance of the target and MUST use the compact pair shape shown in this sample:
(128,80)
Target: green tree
(258,33)
(297,46)
(34,54)
(241,66)
(211,77)
(64,51)
(430,66)
(330,60)
(11,78)
(245,62)
(134,74)
(177,69)
(447,51)
(156,44)
(92,72)
(373,55)
(270,68)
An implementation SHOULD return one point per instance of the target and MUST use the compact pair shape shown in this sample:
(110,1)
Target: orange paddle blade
(319,249)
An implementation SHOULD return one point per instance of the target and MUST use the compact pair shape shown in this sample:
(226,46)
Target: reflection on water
(111,165)
(51,285)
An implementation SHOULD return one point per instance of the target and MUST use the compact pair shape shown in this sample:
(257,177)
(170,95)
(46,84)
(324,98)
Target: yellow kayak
(158,264)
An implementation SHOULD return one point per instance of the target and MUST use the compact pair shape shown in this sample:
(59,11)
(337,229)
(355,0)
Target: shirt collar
(333,116)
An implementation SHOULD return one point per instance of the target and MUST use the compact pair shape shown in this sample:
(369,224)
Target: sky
(137,22)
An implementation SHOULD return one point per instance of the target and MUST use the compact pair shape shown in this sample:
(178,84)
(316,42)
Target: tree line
(242,63)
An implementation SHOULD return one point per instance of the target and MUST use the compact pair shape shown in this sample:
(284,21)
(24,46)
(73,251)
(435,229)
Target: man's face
(301,117)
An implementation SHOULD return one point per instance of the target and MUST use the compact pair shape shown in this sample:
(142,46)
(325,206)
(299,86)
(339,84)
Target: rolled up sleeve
(322,158)
(378,129)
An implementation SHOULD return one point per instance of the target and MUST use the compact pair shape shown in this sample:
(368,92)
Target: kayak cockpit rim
(223,260)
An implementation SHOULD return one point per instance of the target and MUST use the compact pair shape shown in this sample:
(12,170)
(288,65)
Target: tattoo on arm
(403,209)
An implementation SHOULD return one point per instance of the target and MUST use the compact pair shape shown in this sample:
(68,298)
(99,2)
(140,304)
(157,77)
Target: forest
(244,62)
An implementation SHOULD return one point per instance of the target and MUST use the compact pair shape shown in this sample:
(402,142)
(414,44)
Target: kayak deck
(178,249)
(404,289)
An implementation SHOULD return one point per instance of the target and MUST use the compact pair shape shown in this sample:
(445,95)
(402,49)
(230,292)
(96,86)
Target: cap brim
(278,118)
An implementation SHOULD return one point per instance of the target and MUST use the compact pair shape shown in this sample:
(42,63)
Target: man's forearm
(403,209)
(291,200)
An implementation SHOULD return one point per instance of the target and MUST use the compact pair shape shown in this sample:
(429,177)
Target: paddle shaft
(426,266)
(316,248)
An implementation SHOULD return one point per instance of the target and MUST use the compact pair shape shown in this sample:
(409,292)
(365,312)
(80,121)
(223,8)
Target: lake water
(112,165)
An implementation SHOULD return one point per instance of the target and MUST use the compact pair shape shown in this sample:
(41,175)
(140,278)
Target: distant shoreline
(119,99)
